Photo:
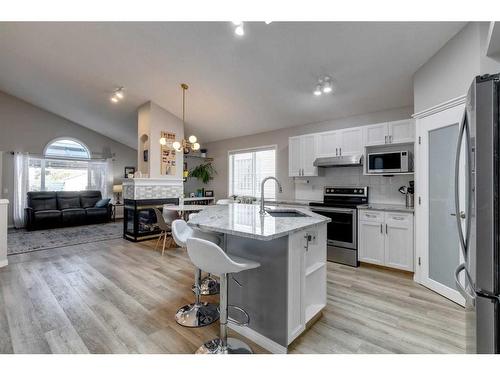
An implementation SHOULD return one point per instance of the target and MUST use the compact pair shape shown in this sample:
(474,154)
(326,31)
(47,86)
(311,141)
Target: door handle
(464,129)
(385,139)
(386,229)
(462,214)
(336,151)
(390,139)
(381,230)
(340,151)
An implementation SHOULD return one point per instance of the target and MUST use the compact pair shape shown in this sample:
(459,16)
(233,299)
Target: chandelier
(186,145)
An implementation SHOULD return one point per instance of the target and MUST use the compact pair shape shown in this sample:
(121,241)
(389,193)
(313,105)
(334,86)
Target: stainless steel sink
(276,212)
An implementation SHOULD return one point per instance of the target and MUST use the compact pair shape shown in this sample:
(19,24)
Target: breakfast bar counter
(289,288)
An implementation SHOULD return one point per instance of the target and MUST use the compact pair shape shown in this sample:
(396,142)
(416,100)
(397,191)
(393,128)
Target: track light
(118,94)
(327,85)
(239,30)
(324,86)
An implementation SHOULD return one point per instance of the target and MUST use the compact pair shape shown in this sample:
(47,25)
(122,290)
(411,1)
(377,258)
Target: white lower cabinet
(306,278)
(386,238)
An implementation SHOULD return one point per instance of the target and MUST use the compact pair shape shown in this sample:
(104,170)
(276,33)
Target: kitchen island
(288,290)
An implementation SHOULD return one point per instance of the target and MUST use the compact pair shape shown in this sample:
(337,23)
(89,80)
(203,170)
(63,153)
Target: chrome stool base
(197,315)
(208,286)
(234,346)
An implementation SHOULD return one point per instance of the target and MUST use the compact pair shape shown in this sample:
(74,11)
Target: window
(247,169)
(67,149)
(66,166)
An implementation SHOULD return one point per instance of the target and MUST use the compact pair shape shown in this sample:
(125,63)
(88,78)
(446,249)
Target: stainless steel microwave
(390,162)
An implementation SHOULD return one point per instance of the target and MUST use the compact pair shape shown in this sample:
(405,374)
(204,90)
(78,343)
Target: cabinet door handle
(381,230)
(336,151)
(390,139)
(386,232)
(340,151)
(398,218)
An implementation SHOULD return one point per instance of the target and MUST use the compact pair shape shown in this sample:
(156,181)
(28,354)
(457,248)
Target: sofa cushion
(42,200)
(47,215)
(97,214)
(72,216)
(68,199)
(89,198)
(102,203)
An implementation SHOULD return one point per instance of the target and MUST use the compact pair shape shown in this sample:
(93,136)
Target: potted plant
(204,172)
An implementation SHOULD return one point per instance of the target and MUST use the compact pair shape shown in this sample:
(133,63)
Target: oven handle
(344,210)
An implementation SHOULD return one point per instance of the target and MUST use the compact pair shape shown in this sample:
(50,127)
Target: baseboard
(259,339)
(4,263)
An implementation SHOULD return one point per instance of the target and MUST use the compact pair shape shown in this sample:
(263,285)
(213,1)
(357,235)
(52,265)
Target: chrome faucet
(262,211)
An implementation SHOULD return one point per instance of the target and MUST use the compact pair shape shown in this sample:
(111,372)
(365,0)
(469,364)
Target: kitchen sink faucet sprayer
(262,209)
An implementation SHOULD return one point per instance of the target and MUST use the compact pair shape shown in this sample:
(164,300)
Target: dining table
(185,209)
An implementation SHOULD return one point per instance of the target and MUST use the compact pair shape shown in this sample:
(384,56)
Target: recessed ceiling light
(317,91)
(114,99)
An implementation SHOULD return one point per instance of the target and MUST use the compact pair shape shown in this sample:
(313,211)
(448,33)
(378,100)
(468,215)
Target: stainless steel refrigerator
(478,278)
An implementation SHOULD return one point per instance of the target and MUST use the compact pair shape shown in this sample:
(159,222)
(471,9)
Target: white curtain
(20,187)
(101,177)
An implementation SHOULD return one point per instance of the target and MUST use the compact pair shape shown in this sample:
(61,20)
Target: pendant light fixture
(186,145)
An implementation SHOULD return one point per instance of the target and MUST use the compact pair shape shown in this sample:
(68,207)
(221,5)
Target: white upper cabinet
(294,162)
(301,155)
(328,144)
(402,131)
(340,142)
(308,154)
(351,142)
(375,134)
(390,133)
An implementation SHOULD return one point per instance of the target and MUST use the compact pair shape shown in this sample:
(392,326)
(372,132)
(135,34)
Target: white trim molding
(440,107)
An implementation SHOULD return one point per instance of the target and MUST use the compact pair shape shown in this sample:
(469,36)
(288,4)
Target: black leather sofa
(50,209)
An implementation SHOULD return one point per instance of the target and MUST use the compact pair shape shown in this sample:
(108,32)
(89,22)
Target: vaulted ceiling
(238,85)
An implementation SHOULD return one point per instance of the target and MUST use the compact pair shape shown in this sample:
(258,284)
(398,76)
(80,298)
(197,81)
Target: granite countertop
(244,220)
(386,207)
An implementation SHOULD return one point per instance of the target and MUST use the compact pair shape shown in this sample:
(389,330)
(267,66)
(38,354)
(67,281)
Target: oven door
(341,231)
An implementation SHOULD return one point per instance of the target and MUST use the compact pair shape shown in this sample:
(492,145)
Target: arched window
(67,148)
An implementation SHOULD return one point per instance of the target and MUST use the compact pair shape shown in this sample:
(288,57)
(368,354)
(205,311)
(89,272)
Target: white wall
(152,120)
(218,150)
(448,73)
(27,128)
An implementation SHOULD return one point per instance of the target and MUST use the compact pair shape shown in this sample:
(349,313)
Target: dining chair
(164,222)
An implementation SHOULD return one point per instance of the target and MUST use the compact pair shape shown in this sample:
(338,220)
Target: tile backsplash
(381,189)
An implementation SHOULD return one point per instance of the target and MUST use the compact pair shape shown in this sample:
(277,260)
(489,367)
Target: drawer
(371,215)
(398,219)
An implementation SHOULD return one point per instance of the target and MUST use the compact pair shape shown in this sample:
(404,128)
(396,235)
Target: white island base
(286,292)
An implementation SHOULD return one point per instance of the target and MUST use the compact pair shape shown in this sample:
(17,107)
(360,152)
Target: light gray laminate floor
(119,297)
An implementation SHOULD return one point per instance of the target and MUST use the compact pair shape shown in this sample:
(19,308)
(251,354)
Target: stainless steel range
(339,204)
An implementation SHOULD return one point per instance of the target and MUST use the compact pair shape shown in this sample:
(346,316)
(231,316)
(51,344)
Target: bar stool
(197,314)
(211,258)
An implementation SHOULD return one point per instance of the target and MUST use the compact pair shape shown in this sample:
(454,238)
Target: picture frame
(129,170)
(209,193)
(146,155)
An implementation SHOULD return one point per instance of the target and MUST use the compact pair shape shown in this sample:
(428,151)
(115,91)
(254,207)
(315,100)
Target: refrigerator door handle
(463,239)
(463,291)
